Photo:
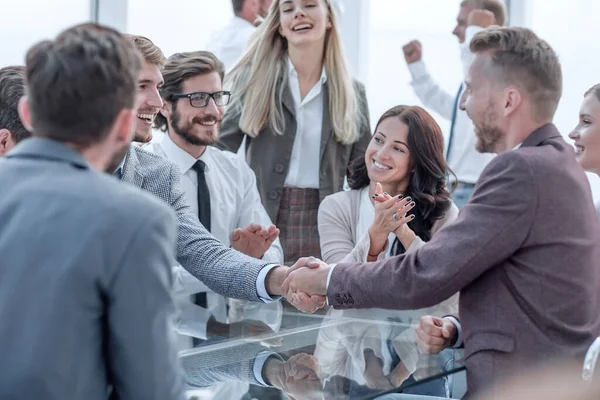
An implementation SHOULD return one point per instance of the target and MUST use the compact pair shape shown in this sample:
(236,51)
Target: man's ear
(24,113)
(123,129)
(166,110)
(6,141)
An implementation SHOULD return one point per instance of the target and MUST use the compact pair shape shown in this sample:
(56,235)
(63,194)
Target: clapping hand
(254,240)
(390,216)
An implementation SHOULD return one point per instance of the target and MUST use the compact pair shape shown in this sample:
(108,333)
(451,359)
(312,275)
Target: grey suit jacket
(224,270)
(269,154)
(86,276)
(524,254)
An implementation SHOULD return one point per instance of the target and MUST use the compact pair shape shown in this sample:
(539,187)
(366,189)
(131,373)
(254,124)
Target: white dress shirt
(466,162)
(305,160)
(235,203)
(230,42)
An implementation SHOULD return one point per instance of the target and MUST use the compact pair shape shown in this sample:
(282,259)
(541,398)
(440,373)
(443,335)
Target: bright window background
(394,23)
(26,22)
(572,29)
(177,25)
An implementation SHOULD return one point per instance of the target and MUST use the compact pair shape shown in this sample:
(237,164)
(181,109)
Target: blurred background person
(461,155)
(303,117)
(587,133)
(230,42)
(398,201)
(12,88)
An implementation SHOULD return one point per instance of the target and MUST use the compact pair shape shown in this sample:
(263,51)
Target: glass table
(279,353)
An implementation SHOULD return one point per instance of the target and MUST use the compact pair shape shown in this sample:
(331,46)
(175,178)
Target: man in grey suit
(224,270)
(85,301)
(524,252)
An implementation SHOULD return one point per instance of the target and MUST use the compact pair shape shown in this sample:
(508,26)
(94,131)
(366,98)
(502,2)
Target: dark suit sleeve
(141,352)
(224,270)
(231,135)
(359,148)
(488,230)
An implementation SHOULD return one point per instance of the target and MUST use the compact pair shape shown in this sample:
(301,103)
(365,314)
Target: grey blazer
(269,154)
(86,276)
(524,254)
(224,270)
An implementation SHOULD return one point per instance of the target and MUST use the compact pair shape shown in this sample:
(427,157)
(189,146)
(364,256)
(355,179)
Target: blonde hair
(151,52)
(258,80)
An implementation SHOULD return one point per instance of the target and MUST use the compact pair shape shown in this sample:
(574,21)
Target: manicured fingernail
(412,204)
(375,195)
(386,193)
(400,196)
(408,198)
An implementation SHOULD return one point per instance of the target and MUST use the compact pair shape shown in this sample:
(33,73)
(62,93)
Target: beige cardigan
(338,218)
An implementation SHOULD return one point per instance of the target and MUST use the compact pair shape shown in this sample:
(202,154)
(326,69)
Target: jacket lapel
(286,97)
(326,124)
(131,172)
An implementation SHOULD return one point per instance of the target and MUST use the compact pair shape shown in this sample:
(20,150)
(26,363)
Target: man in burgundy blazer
(524,252)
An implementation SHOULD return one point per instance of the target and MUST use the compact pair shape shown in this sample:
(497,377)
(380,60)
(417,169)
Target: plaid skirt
(297,222)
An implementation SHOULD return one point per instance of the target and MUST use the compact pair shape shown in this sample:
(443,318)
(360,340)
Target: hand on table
(435,334)
(297,377)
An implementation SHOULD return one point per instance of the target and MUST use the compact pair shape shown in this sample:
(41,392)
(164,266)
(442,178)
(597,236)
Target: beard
(488,137)
(210,136)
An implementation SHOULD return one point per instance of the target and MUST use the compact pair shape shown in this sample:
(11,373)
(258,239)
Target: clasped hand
(306,284)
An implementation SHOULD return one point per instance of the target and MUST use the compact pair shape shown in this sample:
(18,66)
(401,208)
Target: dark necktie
(204,216)
(453,123)
(203,194)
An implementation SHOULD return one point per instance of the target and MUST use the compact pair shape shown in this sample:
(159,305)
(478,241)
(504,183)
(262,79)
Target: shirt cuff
(418,70)
(261,287)
(459,339)
(259,364)
(328,279)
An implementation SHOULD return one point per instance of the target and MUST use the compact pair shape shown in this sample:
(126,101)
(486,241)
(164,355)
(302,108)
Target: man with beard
(229,42)
(222,269)
(523,252)
(85,294)
(219,186)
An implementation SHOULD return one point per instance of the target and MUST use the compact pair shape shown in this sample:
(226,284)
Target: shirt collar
(294,73)
(179,156)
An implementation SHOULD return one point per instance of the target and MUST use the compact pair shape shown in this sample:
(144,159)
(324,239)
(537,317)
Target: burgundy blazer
(524,254)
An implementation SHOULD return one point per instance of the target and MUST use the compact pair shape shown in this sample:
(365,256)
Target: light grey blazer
(224,270)
(86,275)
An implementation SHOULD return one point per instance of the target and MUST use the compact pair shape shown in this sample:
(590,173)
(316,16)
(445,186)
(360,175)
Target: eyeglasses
(201,99)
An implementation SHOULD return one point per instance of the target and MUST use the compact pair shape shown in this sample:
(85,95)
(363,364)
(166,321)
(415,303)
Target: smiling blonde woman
(303,117)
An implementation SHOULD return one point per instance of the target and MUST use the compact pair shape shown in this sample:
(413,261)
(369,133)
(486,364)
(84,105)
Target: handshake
(304,284)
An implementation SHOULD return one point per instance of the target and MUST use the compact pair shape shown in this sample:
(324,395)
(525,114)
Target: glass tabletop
(275,352)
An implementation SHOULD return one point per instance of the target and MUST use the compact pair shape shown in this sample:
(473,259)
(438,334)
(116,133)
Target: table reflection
(350,355)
